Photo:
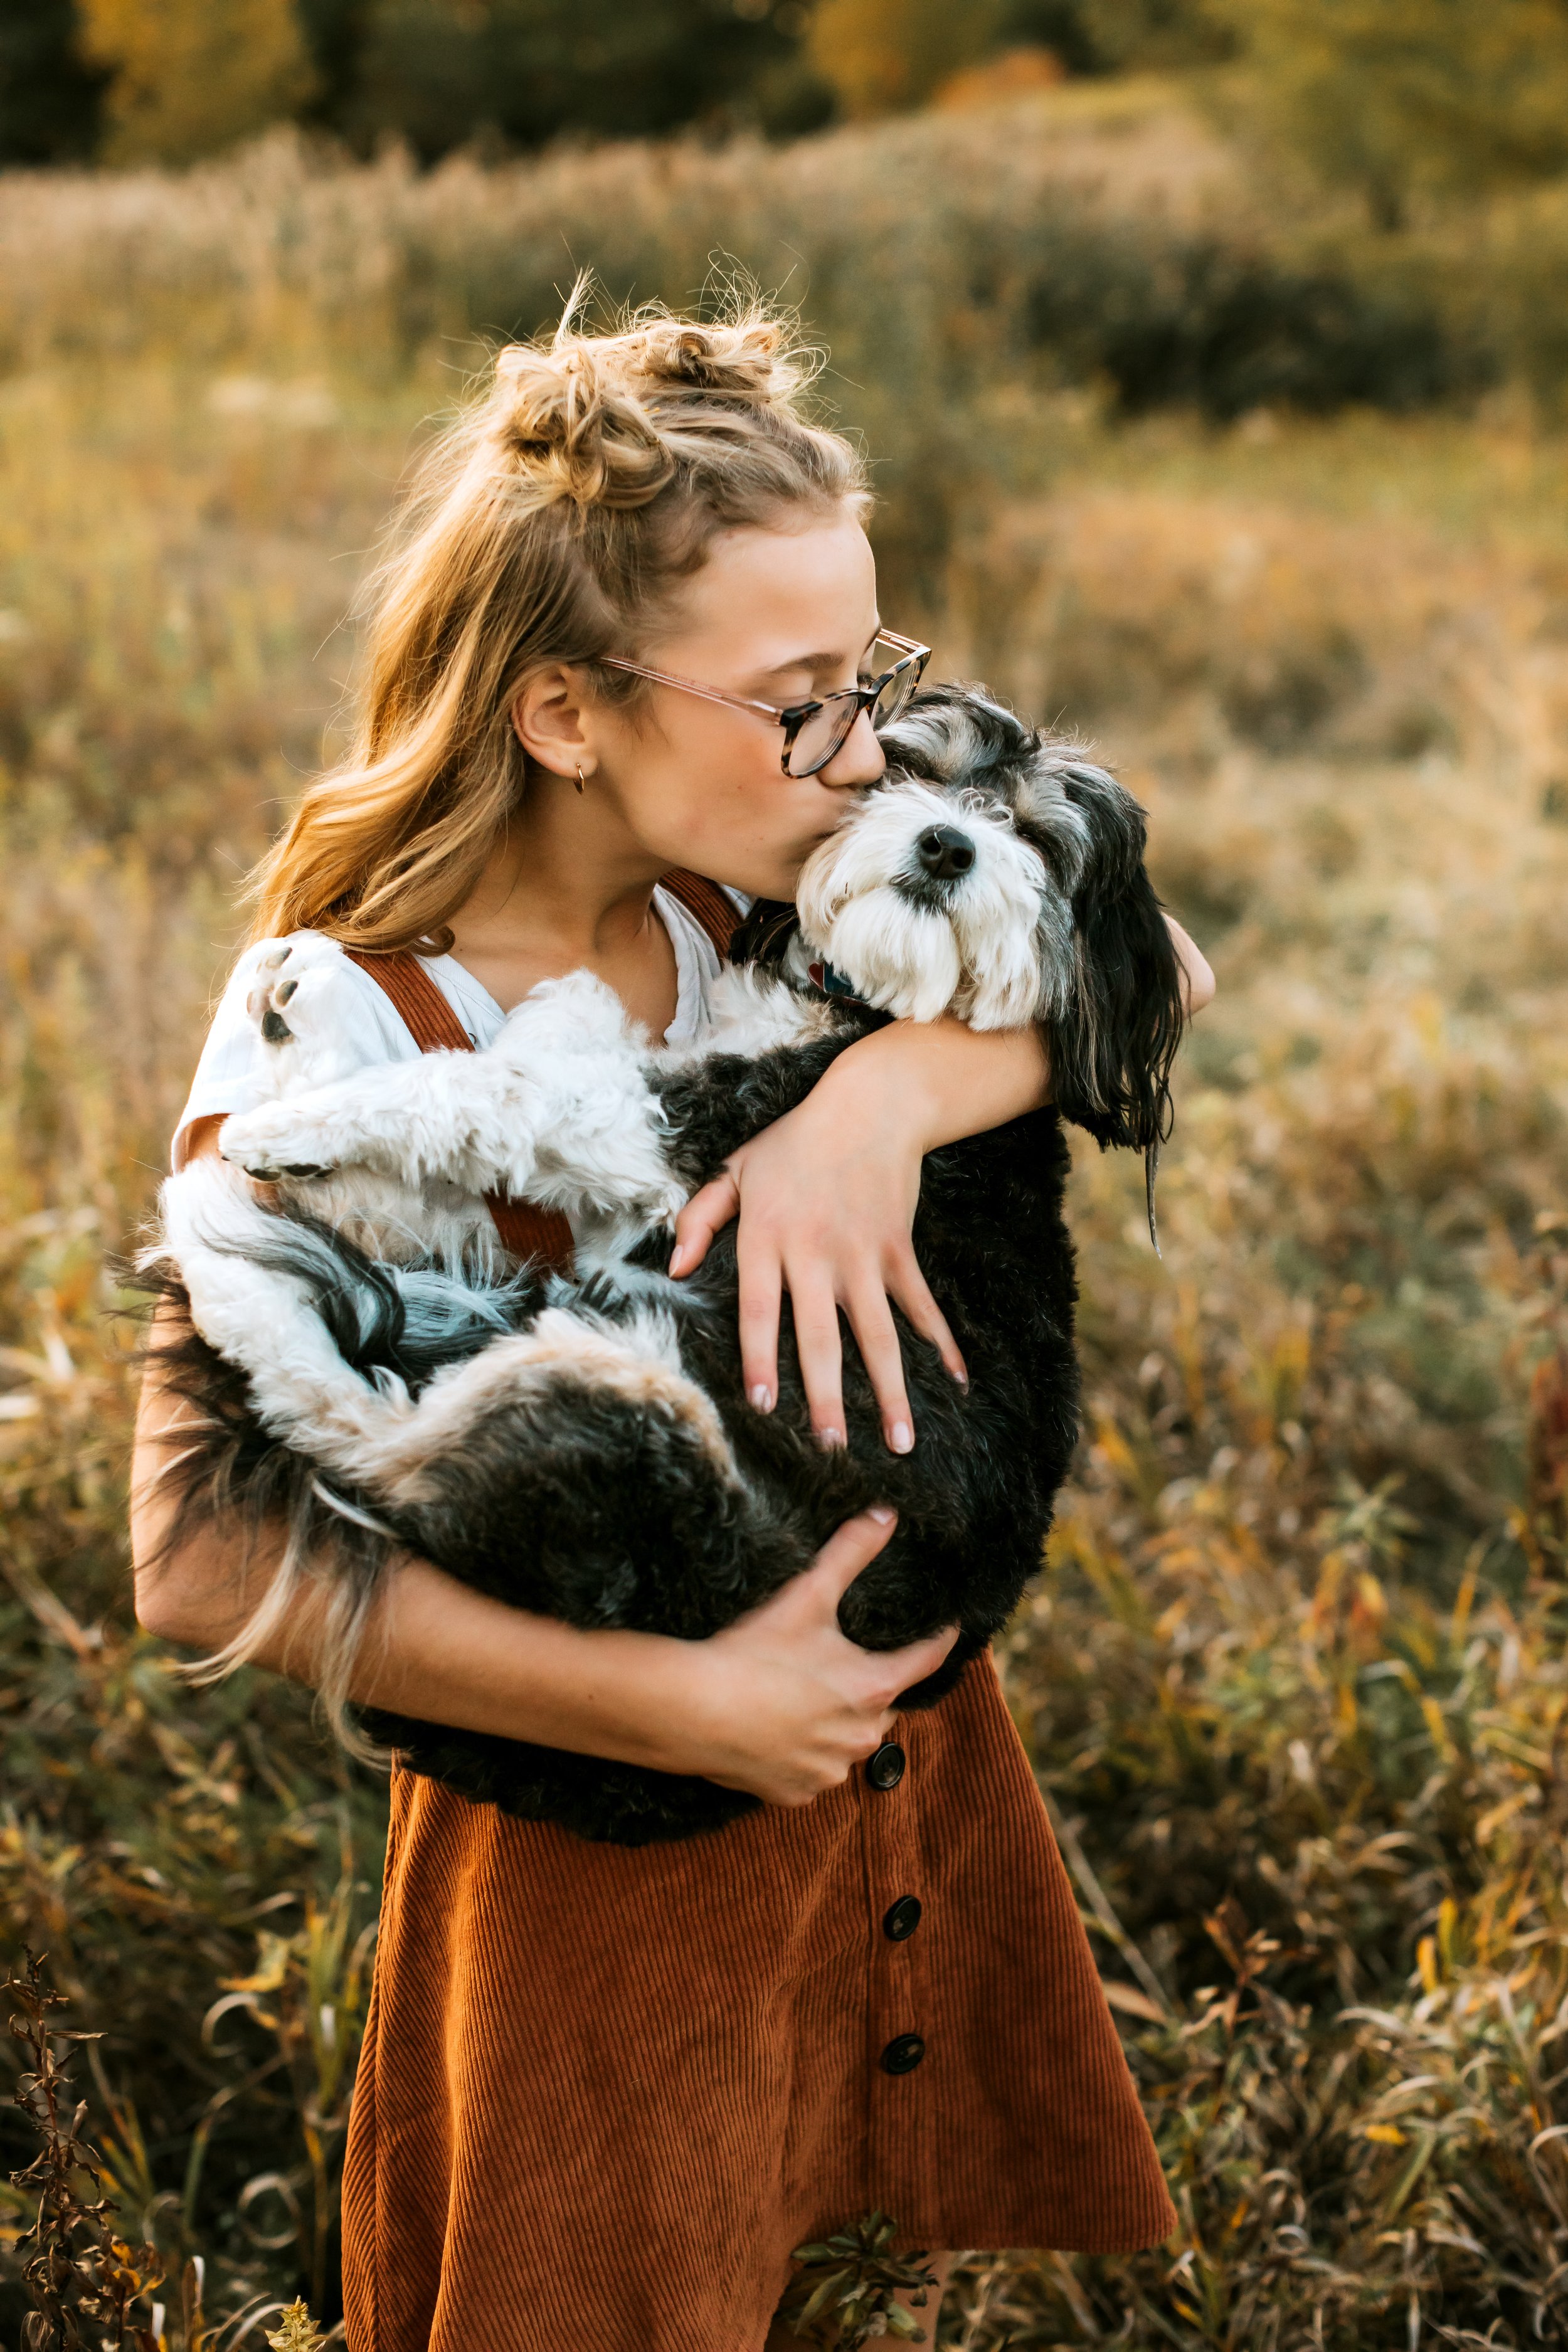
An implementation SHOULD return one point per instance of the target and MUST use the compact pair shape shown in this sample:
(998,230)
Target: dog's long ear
(1111,1049)
(764,935)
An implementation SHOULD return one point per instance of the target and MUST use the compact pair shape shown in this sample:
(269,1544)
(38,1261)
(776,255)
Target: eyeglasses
(813,732)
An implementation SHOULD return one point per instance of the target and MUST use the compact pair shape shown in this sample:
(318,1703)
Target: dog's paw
(276,1140)
(289,994)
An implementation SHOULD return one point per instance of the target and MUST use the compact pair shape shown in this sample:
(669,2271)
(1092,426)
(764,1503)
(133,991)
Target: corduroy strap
(526,1230)
(711,905)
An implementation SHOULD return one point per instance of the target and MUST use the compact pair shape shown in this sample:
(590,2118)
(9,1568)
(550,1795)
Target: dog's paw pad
(268,1168)
(299,1175)
(294,990)
(274,986)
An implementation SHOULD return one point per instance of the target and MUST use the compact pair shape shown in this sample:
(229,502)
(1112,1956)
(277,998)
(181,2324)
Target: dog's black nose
(943,852)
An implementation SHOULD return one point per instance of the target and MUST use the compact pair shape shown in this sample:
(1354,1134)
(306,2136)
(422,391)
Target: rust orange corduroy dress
(605,2091)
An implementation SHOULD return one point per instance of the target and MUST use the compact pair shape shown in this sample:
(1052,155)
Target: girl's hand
(784,1705)
(826,1201)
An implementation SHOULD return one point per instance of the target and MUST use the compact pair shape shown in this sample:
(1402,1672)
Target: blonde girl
(604,2093)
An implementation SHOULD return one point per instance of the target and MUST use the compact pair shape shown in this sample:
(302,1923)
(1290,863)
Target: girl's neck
(565,889)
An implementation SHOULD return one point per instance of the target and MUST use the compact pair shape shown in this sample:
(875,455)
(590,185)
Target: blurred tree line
(1400,99)
(132,80)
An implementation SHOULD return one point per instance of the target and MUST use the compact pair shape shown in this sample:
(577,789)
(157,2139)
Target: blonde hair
(548,524)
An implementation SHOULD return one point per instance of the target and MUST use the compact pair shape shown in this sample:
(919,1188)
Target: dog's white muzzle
(930,902)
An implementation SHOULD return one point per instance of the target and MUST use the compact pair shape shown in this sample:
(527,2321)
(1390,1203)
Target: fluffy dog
(365,1361)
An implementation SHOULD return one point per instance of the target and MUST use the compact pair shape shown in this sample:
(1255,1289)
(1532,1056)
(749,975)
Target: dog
(364,1361)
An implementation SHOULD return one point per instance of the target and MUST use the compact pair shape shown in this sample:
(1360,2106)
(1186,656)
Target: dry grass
(1294,1678)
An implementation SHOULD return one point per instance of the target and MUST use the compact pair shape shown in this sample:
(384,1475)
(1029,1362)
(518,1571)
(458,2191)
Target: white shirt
(230,1074)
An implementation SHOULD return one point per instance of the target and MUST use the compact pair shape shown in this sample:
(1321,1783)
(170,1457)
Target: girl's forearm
(439,1652)
(435,1650)
(780,1704)
(930,1082)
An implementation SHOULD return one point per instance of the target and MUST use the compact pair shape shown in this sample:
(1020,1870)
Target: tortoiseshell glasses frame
(815,732)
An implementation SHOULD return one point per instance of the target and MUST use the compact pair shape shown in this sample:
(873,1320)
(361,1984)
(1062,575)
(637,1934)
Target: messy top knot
(585,479)
(604,420)
(580,437)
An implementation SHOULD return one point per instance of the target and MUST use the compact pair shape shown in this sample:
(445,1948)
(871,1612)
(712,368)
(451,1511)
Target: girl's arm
(779,1703)
(826,1200)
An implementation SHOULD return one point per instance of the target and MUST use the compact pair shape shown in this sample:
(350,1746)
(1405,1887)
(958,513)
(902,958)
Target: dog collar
(829,982)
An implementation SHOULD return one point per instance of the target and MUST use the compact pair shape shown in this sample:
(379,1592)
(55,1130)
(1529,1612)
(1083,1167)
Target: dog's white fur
(970,947)
(559,1110)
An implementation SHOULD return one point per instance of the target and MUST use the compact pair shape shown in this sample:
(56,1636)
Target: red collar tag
(829,982)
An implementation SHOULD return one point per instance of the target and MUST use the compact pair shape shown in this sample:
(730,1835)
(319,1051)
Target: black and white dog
(364,1360)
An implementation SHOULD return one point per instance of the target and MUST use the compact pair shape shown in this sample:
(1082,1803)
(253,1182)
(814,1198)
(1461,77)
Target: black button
(902,1918)
(903,2054)
(885,1768)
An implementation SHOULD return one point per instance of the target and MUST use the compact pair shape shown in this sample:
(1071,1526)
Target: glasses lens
(821,735)
(895,697)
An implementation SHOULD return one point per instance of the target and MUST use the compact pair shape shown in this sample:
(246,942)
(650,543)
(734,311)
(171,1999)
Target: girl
(632,628)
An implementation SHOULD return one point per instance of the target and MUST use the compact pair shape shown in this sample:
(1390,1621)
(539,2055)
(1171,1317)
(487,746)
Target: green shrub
(1214,327)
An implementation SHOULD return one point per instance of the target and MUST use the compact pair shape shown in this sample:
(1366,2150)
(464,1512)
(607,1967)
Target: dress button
(903,2054)
(902,1918)
(885,1769)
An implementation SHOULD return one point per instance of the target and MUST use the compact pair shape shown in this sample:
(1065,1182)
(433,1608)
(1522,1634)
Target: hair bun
(598,419)
(578,434)
(740,359)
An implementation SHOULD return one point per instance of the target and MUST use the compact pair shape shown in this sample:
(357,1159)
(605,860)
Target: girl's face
(780,615)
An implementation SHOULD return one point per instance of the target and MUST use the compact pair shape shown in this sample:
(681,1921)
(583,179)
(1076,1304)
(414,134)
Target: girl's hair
(549,523)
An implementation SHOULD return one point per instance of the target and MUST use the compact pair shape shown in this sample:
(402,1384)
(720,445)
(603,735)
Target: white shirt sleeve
(232,1074)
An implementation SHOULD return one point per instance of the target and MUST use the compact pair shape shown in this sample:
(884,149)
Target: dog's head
(999,876)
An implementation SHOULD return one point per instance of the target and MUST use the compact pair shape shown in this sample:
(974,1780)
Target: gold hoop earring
(579,777)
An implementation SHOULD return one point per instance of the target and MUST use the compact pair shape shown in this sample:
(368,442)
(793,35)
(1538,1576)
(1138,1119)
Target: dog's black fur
(585,1509)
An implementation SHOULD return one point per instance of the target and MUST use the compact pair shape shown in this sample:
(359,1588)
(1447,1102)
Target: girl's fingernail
(763,1399)
(900,1437)
(881,1514)
(829,1438)
(678,1258)
(961,1377)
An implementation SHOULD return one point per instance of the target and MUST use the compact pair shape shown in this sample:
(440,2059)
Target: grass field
(1293,1679)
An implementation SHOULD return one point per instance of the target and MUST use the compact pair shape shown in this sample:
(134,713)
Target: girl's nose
(858,761)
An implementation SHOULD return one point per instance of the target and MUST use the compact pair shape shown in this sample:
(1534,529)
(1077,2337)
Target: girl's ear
(548,718)
(1111,1049)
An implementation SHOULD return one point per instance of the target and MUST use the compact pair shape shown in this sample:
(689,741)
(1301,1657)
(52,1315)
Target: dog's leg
(232,1258)
(600,1144)
(557,1110)
(465,1118)
(301,1000)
